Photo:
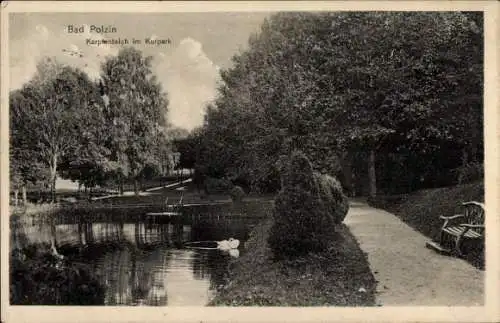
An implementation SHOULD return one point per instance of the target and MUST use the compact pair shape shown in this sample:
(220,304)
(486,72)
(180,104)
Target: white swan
(228,244)
(235,253)
(234,243)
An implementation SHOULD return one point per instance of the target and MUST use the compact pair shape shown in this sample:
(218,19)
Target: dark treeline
(387,102)
(106,132)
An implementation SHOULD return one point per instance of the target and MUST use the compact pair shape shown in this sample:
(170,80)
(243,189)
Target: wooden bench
(457,228)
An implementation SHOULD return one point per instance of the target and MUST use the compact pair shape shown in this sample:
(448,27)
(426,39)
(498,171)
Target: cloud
(42,31)
(25,53)
(70,49)
(187,74)
(190,79)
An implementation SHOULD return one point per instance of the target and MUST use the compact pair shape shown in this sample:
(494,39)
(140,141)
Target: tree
(88,162)
(136,113)
(340,84)
(55,102)
(25,163)
(410,85)
(187,147)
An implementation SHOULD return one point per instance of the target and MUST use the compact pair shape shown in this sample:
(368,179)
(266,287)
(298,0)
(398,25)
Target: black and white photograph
(247,158)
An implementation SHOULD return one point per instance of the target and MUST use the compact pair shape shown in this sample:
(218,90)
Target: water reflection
(143,262)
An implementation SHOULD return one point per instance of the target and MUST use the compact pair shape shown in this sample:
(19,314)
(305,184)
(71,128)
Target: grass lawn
(331,278)
(421,210)
(190,195)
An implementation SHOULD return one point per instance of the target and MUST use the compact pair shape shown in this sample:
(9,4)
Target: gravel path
(407,272)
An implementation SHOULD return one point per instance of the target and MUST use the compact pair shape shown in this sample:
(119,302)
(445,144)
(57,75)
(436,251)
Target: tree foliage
(90,131)
(49,117)
(407,83)
(302,223)
(136,112)
(331,193)
(25,164)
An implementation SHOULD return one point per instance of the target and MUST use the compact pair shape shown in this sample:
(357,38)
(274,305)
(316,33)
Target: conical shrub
(301,220)
(332,195)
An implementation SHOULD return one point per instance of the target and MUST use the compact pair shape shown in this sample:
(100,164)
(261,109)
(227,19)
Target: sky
(188,68)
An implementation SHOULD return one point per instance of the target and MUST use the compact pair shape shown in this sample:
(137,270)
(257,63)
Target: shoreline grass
(38,278)
(339,276)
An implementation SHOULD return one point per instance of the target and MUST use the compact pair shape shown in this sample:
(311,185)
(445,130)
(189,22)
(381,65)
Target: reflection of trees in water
(113,269)
(141,234)
(180,234)
(139,278)
(18,234)
(207,229)
(129,258)
(133,276)
(39,278)
(133,272)
(94,234)
(200,271)
(213,265)
(147,277)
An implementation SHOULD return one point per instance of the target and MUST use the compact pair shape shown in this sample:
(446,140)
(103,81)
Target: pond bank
(135,260)
(33,209)
(38,278)
(339,276)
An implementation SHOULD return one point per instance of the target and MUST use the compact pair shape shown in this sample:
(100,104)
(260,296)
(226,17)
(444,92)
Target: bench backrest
(474,212)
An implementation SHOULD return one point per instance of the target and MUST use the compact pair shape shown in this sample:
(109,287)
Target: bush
(331,193)
(301,220)
(470,173)
(217,185)
(237,193)
(38,278)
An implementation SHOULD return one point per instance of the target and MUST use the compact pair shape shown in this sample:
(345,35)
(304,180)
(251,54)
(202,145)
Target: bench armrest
(451,217)
(473,203)
(472,226)
(449,220)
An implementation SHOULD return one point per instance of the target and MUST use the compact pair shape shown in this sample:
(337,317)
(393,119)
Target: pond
(142,260)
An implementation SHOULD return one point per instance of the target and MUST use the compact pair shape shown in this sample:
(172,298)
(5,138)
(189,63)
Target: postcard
(249,161)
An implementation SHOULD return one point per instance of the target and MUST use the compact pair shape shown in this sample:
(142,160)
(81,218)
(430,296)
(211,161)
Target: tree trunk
(136,187)
(346,165)
(372,177)
(53,177)
(16,194)
(24,195)
(465,157)
(353,181)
